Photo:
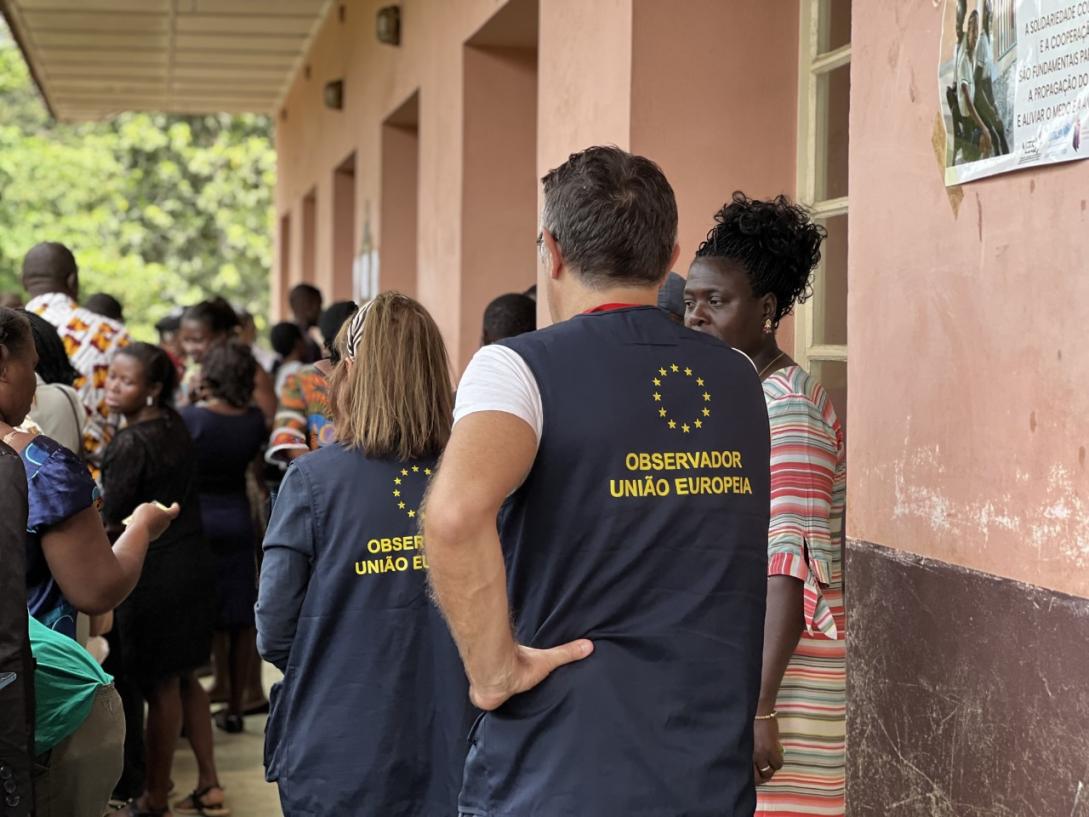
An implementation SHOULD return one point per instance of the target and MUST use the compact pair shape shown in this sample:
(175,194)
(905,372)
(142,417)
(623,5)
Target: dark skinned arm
(264,395)
(783,624)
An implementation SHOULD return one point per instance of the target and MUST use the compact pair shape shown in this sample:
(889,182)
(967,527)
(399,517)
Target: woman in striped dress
(755,265)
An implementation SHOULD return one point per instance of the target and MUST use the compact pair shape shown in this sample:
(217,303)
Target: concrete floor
(239,759)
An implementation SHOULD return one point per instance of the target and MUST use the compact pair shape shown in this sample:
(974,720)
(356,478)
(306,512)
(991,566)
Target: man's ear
(554,260)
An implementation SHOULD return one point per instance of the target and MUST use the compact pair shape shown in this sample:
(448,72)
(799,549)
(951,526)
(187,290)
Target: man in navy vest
(612,628)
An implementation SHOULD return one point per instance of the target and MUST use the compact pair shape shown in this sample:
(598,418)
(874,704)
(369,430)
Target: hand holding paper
(155,516)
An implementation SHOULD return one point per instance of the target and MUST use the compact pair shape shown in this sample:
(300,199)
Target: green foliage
(160,211)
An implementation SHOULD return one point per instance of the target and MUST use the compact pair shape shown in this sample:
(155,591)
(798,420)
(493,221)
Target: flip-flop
(198,807)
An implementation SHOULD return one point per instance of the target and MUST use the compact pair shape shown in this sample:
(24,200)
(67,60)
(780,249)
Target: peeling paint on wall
(1054,524)
(966,386)
(967,692)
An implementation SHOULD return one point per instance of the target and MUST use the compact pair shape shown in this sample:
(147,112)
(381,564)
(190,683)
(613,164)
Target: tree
(160,210)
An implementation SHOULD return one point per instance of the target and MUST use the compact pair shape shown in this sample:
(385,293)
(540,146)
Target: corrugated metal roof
(93,59)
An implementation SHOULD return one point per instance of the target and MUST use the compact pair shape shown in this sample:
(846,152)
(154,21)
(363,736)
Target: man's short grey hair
(613,215)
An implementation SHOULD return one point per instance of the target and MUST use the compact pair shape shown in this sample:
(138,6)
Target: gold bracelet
(769,717)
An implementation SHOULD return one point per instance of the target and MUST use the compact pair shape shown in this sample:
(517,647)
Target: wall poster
(1013,79)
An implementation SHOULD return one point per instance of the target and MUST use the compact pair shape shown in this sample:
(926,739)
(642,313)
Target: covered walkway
(94,59)
(239,761)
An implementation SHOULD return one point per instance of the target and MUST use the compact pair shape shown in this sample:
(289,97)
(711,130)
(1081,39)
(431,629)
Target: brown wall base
(968,694)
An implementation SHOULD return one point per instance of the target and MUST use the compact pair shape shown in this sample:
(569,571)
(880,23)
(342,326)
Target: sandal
(231,724)
(194,804)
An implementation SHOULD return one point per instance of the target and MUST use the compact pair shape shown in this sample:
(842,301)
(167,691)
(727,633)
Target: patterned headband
(355,331)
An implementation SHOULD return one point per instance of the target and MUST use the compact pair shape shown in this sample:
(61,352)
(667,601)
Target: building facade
(951,312)
(945,321)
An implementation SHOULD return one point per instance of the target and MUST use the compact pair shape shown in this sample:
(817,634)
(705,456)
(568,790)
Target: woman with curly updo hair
(755,265)
(228,432)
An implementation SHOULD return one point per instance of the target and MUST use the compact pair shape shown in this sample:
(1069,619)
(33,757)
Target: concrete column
(578,41)
(499,190)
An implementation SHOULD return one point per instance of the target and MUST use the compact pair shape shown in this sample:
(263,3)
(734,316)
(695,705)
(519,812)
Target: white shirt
(966,75)
(985,55)
(266,359)
(498,379)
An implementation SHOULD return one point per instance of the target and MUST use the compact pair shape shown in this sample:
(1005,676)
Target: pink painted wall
(585,77)
(499,185)
(584,90)
(671,80)
(312,139)
(701,111)
(968,371)
(399,207)
(343,232)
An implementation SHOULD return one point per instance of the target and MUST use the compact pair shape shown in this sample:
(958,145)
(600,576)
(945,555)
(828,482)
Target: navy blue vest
(372,713)
(642,526)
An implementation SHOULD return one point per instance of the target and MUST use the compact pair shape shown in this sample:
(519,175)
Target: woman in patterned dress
(755,265)
(304,421)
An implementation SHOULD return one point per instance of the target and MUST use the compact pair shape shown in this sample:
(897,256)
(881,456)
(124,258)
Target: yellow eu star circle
(401,480)
(661,393)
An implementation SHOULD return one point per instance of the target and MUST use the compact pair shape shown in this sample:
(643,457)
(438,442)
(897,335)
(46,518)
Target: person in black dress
(229,432)
(165,625)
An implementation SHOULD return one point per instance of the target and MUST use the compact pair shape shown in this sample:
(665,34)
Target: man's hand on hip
(528,668)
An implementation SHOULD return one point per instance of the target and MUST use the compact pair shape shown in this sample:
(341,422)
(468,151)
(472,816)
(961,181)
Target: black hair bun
(775,240)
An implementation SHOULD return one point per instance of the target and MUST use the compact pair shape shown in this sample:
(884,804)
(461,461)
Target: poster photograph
(1013,80)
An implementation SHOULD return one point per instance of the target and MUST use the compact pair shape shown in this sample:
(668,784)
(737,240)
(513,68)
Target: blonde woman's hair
(392,398)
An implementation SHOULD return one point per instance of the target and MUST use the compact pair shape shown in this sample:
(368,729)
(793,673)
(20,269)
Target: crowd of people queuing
(603,577)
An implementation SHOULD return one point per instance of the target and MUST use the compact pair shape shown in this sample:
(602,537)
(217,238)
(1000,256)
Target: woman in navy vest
(373,710)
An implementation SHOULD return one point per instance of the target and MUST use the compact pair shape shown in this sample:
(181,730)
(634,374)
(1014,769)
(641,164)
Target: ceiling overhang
(93,59)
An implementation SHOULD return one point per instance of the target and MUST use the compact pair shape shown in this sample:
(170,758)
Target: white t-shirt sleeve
(985,56)
(966,76)
(498,379)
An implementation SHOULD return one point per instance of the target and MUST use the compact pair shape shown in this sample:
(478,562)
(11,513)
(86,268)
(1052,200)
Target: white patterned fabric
(91,341)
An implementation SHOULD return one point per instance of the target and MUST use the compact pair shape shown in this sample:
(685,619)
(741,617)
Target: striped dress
(808,481)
